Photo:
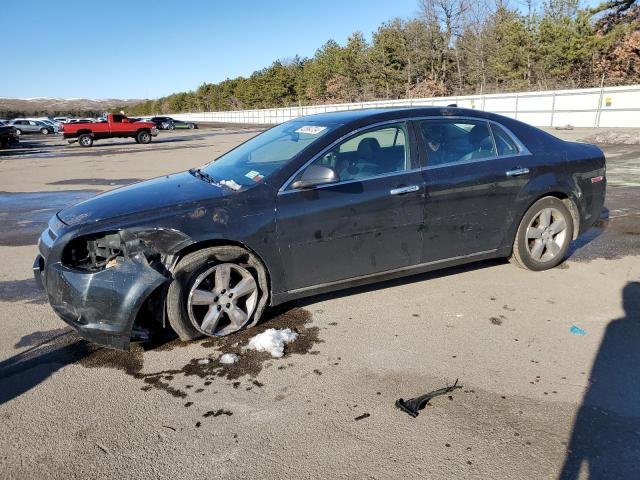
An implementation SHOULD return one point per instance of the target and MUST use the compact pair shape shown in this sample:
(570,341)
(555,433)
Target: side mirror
(315,175)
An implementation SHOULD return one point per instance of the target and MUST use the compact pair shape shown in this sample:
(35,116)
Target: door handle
(517,171)
(403,190)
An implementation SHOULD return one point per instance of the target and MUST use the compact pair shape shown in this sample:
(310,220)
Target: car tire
(18,131)
(171,127)
(543,236)
(143,137)
(44,131)
(85,140)
(191,126)
(216,312)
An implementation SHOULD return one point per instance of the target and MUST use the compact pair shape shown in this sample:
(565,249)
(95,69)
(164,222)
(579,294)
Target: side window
(375,152)
(118,118)
(456,141)
(504,143)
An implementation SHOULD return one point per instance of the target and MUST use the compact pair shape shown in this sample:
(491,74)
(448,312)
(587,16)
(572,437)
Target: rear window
(504,143)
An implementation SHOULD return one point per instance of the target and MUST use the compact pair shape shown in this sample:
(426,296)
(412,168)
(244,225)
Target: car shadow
(48,352)
(606,431)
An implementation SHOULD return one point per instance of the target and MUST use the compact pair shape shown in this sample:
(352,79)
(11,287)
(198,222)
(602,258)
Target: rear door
(474,170)
(367,222)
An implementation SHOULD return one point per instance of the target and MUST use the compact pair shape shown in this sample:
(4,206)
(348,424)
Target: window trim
(415,142)
(408,139)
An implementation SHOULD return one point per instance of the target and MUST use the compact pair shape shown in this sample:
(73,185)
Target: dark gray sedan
(316,204)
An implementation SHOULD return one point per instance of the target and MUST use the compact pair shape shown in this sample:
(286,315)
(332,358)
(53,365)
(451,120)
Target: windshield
(266,153)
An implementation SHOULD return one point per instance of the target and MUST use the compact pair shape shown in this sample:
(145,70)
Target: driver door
(369,221)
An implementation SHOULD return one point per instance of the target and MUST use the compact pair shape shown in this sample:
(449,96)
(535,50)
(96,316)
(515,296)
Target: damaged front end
(99,283)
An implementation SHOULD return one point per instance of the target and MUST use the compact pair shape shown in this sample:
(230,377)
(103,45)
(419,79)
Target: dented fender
(102,306)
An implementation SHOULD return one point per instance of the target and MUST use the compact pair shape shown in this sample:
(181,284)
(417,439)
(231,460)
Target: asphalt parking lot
(540,399)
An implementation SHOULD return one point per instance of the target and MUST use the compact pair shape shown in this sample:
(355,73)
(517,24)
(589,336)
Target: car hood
(177,190)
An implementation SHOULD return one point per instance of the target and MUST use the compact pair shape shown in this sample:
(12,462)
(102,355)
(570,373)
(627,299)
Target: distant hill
(13,107)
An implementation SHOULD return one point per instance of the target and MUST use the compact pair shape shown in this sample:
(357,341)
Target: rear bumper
(593,205)
(101,306)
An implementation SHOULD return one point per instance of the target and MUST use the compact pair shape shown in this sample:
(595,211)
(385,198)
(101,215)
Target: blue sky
(139,49)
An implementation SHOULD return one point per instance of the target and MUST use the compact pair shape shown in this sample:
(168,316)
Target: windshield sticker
(253,175)
(231,184)
(311,129)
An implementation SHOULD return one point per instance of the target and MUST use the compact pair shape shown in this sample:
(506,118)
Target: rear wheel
(85,140)
(143,137)
(44,131)
(216,291)
(544,235)
(191,126)
(18,131)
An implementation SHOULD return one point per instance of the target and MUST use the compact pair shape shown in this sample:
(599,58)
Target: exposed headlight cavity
(97,252)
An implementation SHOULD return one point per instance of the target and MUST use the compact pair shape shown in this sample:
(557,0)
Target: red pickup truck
(116,125)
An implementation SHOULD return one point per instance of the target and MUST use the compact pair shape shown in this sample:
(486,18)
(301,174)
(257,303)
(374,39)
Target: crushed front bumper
(101,306)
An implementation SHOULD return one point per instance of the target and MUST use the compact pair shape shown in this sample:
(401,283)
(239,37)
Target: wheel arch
(84,131)
(568,202)
(193,247)
(560,193)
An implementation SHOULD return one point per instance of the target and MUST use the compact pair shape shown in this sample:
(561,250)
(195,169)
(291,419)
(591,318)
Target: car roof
(382,114)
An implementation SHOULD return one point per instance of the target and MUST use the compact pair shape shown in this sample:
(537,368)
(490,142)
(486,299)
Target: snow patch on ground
(615,138)
(272,341)
(228,358)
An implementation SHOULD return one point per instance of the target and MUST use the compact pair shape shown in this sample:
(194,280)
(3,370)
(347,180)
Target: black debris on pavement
(414,405)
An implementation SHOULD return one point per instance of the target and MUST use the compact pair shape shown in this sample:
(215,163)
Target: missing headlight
(97,252)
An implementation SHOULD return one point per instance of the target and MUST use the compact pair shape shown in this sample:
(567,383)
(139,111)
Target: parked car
(180,124)
(316,204)
(8,135)
(31,126)
(54,125)
(116,126)
(61,119)
(168,123)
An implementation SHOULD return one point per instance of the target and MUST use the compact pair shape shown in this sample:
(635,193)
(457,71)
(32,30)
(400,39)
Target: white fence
(589,107)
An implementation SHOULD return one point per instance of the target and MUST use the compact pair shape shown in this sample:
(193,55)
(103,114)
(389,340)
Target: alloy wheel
(546,234)
(222,299)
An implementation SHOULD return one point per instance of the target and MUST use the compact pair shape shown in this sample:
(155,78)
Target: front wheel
(85,140)
(18,131)
(191,126)
(544,235)
(216,291)
(143,137)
